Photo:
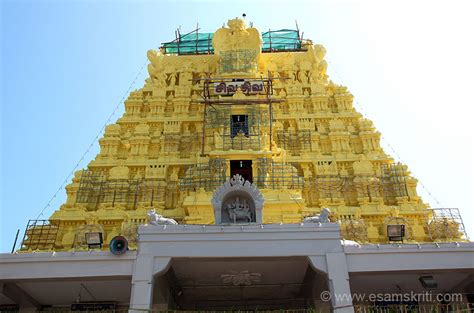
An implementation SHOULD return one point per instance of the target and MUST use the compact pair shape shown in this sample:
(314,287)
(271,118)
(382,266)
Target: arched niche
(237,201)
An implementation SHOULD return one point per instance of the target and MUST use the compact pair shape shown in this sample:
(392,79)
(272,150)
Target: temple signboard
(247,87)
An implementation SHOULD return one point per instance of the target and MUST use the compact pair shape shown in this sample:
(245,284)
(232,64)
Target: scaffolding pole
(211,99)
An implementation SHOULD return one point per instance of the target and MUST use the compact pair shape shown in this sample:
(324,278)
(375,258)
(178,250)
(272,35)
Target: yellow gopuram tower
(241,102)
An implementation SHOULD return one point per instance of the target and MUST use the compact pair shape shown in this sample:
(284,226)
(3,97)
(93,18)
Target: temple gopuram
(258,105)
(241,179)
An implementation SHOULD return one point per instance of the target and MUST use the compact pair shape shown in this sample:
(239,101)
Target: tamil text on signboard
(247,87)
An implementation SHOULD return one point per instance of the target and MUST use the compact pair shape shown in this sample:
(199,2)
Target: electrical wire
(96,138)
(361,109)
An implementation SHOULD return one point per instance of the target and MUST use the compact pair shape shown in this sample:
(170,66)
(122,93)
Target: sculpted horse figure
(322,217)
(156,219)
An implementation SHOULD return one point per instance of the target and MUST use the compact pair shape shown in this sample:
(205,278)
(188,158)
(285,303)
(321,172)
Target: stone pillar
(338,280)
(142,284)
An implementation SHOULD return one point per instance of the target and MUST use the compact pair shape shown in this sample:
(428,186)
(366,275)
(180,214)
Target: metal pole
(270,37)
(270,108)
(197,38)
(179,40)
(16,238)
(209,44)
(206,86)
(271,126)
(204,128)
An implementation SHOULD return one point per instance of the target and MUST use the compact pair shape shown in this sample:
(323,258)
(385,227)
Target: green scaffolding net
(192,43)
(201,43)
(281,40)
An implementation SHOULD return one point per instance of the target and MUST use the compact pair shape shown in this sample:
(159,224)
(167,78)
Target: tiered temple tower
(240,102)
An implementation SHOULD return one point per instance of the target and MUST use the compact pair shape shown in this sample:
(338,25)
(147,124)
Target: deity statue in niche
(239,210)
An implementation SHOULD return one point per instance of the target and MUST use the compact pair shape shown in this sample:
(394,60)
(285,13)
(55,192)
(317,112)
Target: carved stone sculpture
(323,217)
(244,278)
(236,200)
(238,210)
(156,219)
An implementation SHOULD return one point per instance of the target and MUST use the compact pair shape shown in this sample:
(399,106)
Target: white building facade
(243,267)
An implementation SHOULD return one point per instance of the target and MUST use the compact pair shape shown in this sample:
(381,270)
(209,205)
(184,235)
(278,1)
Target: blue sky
(65,65)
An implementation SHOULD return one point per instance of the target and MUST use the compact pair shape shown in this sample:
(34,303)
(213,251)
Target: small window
(239,124)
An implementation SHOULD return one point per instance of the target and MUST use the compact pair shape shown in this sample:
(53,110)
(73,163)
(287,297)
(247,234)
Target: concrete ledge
(404,247)
(58,256)
(240,227)
(409,257)
(50,265)
(250,240)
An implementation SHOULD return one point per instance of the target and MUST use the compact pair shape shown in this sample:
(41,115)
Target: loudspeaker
(118,245)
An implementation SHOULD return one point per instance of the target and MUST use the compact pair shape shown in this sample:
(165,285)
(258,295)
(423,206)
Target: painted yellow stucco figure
(238,47)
